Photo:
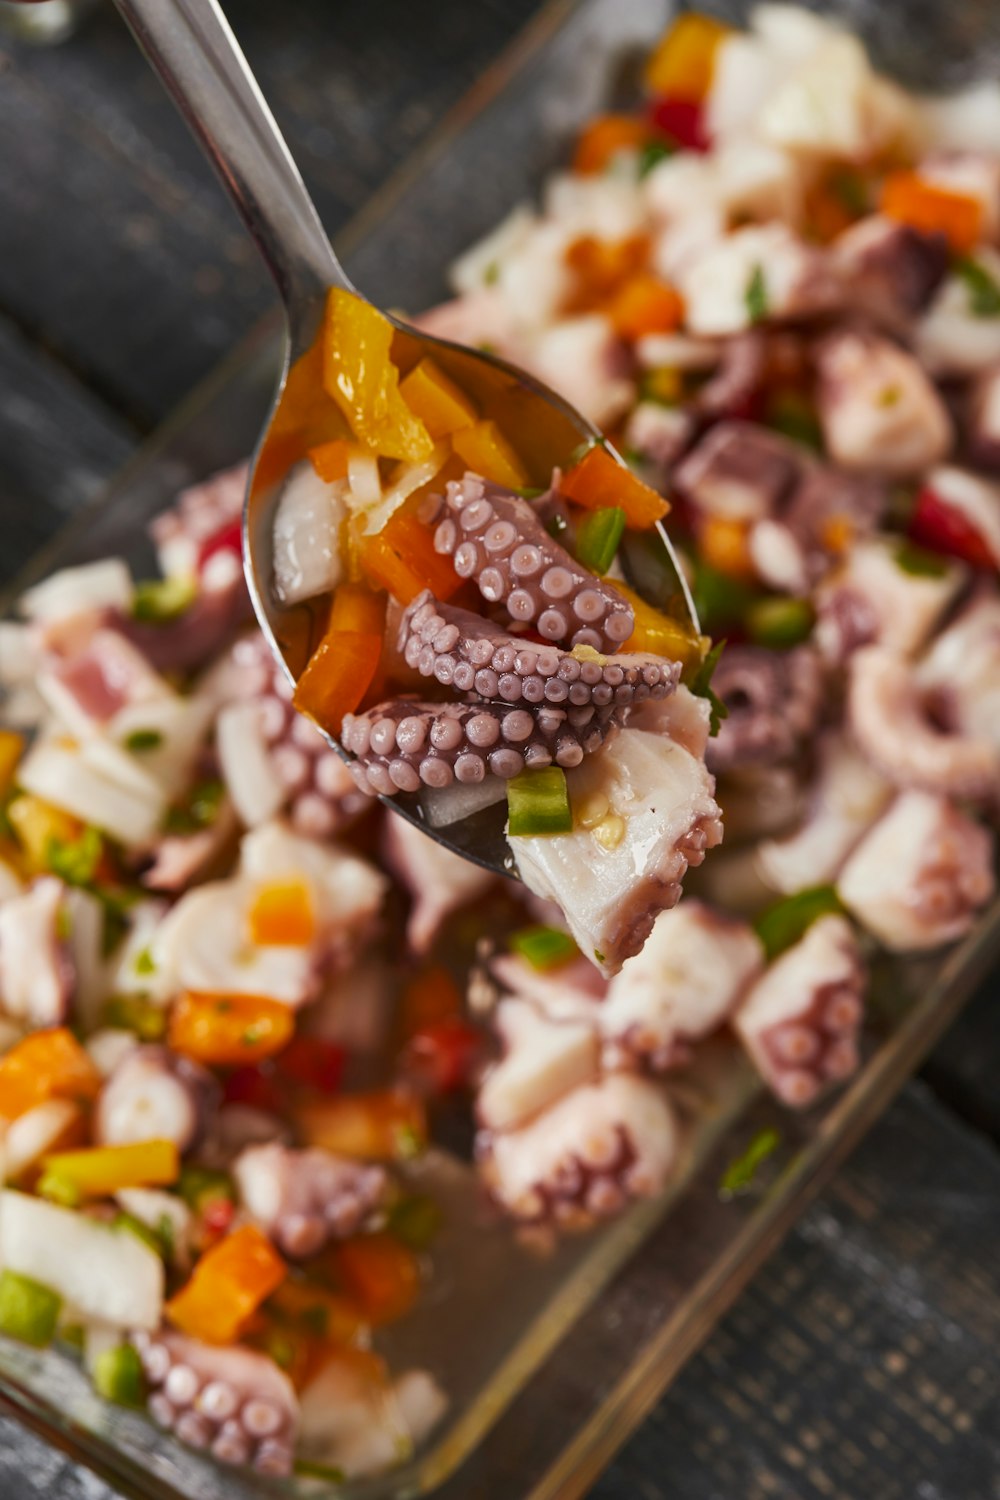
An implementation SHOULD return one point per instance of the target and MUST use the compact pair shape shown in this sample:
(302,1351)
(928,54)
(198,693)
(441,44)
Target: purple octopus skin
(477,657)
(155,1094)
(405,743)
(305,1198)
(774,701)
(740,471)
(228,1400)
(584,1158)
(890,268)
(800,1021)
(740,373)
(498,540)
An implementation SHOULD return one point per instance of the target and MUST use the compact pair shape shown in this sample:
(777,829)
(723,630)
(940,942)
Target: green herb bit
(598,956)
(119,1377)
(136,1013)
(851,190)
(538,802)
(199,1186)
(984,292)
(721,600)
(739,1175)
(783,923)
(144,962)
(409,1143)
(58,1188)
(199,811)
(307,1468)
(701,686)
(544,948)
(159,600)
(755,297)
(129,1224)
(167,1236)
(780,623)
(75,860)
(651,154)
(918,562)
(142,740)
(598,536)
(795,418)
(28,1310)
(415,1220)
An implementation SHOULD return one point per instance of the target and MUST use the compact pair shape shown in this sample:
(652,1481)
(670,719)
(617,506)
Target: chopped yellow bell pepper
(683,63)
(281,915)
(359,375)
(37,825)
(48,1064)
(487,451)
(434,397)
(99,1171)
(658,634)
(11,749)
(227,1286)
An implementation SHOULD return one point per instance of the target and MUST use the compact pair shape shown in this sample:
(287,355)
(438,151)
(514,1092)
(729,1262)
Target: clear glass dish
(550,1360)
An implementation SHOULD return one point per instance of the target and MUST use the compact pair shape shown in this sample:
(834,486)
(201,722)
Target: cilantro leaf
(756,299)
(984,292)
(701,686)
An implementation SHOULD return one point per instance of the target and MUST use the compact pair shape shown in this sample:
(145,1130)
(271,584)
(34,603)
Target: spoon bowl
(191,47)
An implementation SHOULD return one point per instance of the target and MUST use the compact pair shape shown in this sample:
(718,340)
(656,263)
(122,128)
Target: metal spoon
(190,46)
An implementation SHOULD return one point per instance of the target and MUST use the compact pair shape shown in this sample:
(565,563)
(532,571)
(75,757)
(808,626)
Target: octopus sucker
(228,1400)
(480,658)
(799,1021)
(305,1198)
(404,744)
(497,540)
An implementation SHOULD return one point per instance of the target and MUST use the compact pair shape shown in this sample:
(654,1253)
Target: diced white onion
(404,480)
(247,768)
(61,775)
(99,585)
(363,479)
(307,558)
(452,804)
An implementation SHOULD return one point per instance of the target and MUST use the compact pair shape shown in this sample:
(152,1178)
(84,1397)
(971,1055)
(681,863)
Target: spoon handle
(190,46)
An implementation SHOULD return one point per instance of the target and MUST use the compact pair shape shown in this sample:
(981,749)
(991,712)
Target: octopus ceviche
(239,997)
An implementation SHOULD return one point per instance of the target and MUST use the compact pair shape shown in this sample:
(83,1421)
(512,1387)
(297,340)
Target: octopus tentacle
(774,701)
(302,1199)
(230,1400)
(497,539)
(405,743)
(465,651)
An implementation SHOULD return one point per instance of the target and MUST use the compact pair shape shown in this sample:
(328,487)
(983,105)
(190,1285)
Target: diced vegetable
(199,1186)
(136,1013)
(38,826)
(739,1174)
(599,481)
(982,288)
(229,1029)
(544,948)
(330,460)
(358,374)
(657,633)
(683,63)
(159,600)
(337,676)
(911,199)
(324,1314)
(402,559)
(944,528)
(415,1220)
(780,623)
(118,1376)
(600,267)
(725,546)
(312,1062)
(227,1286)
(756,297)
(644,305)
(281,913)
(604,137)
(782,924)
(490,453)
(381,1273)
(683,120)
(385,1125)
(11,749)
(444,1055)
(538,803)
(598,536)
(48,1064)
(436,400)
(103,1275)
(100,1171)
(52,1126)
(431,995)
(28,1311)
(358,609)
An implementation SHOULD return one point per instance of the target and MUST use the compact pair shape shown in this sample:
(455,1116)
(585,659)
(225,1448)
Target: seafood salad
(239,998)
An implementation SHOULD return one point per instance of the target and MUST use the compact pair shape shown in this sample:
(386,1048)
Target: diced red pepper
(312,1061)
(254,1087)
(444,1055)
(941,527)
(228,538)
(683,120)
(217,1215)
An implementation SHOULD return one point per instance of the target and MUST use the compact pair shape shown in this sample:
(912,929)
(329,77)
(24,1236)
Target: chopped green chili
(783,923)
(544,948)
(598,536)
(538,802)
(780,622)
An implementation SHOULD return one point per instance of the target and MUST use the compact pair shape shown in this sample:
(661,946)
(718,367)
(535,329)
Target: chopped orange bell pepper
(225,1030)
(682,65)
(402,559)
(724,544)
(11,750)
(488,452)
(658,634)
(436,400)
(337,676)
(645,304)
(226,1287)
(330,459)
(599,480)
(385,1125)
(600,267)
(603,137)
(431,995)
(358,373)
(281,914)
(37,825)
(99,1171)
(306,418)
(328,1315)
(911,199)
(358,609)
(380,1273)
(47,1064)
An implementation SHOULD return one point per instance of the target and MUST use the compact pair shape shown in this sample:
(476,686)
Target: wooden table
(864,1363)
